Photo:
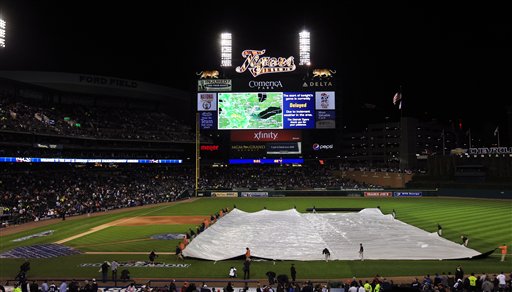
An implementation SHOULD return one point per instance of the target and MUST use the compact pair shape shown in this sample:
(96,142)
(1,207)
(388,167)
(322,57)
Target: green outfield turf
(488,223)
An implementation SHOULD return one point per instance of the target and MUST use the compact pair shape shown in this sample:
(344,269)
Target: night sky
(453,62)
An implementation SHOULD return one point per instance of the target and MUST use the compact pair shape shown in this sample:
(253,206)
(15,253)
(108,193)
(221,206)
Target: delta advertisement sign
(266,136)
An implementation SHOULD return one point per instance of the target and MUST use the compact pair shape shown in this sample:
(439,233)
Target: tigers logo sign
(258,65)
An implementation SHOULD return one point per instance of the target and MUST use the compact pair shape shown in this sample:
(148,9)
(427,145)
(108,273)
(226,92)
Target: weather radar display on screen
(250,110)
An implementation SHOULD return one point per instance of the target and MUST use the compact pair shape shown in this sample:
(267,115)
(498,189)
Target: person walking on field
(247,253)
(247,269)
(327,254)
(152,257)
(361,251)
(503,251)
(465,240)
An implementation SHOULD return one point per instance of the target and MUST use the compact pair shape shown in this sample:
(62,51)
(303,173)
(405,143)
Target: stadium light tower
(225,49)
(2,32)
(304,48)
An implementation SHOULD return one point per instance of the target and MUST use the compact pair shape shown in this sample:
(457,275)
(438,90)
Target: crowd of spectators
(275,177)
(438,283)
(42,192)
(67,153)
(98,122)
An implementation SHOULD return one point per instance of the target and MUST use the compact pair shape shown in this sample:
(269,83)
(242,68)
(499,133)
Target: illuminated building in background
(304,48)
(225,49)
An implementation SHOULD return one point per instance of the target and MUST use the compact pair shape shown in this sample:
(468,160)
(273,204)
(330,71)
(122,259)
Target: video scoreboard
(266,110)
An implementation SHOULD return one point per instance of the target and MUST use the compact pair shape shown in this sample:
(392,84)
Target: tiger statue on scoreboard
(212,74)
(323,73)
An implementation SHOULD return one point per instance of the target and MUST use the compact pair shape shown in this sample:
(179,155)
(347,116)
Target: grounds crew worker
(503,252)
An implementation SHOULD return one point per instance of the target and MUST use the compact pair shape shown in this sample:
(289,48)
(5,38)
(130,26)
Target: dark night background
(453,61)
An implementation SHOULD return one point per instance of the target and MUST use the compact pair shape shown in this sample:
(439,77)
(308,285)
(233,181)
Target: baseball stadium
(107,181)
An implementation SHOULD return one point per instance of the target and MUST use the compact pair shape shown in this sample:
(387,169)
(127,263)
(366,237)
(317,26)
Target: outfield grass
(488,223)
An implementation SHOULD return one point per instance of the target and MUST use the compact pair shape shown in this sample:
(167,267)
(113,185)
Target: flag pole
(401,127)
(469,132)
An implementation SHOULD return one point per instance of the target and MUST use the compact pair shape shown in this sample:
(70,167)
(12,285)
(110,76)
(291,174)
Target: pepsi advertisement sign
(407,194)
(318,147)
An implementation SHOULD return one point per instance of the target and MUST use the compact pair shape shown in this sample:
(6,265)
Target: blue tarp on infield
(39,251)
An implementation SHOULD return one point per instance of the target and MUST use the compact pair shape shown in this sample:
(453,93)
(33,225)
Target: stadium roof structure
(96,85)
(290,235)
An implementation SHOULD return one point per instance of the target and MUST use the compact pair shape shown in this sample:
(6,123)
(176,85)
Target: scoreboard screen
(250,110)
(266,110)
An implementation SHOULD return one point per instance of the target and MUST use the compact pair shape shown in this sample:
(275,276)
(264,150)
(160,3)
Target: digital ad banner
(325,100)
(206,102)
(325,119)
(299,110)
(266,136)
(208,120)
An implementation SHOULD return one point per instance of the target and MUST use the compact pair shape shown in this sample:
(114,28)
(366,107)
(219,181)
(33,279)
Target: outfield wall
(454,192)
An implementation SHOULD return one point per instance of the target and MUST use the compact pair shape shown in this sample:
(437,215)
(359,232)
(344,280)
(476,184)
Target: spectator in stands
(172,286)
(87,286)
(94,286)
(44,286)
(131,288)
(271,277)
(459,273)
(63,286)
(73,286)
(293,273)
(52,288)
(502,281)
(204,288)
(487,285)
(229,287)
(17,287)
(113,266)
(104,271)
(34,287)
(125,275)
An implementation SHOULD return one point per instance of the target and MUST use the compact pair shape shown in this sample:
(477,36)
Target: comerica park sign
(258,65)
